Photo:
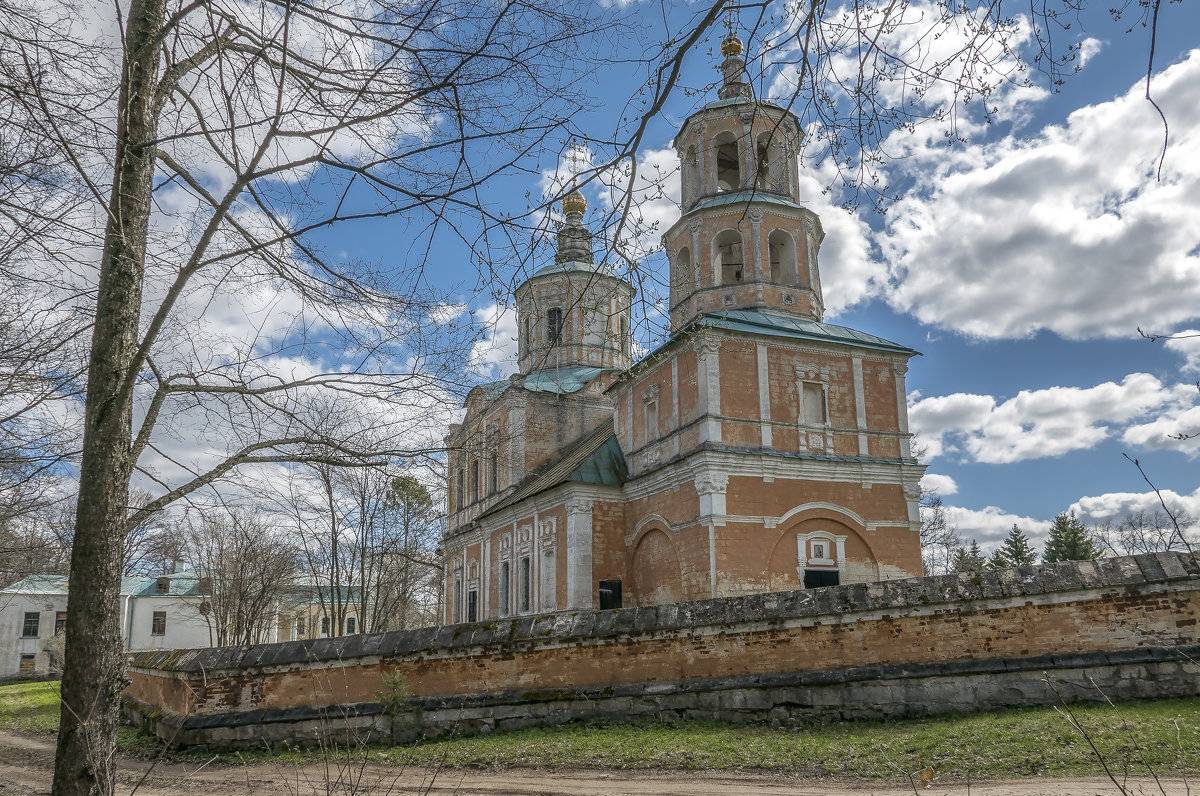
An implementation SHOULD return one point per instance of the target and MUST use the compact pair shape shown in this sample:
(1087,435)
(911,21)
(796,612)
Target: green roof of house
(181,584)
(39,584)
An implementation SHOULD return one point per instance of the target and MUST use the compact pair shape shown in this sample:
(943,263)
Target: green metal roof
(595,459)
(569,379)
(574,266)
(742,197)
(39,584)
(795,327)
(492,390)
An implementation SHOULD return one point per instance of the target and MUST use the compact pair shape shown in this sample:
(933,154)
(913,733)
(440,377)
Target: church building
(757,449)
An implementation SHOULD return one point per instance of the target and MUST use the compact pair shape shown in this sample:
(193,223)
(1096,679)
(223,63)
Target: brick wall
(899,647)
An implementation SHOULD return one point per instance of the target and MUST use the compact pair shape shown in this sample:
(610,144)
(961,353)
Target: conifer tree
(968,559)
(1069,540)
(1014,552)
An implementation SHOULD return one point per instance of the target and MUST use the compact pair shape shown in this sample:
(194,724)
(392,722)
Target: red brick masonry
(921,645)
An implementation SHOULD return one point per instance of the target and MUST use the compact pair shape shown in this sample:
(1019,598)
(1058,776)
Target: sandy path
(26,761)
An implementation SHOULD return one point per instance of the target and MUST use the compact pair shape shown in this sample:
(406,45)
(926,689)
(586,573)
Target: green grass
(1161,734)
(29,707)
(1164,734)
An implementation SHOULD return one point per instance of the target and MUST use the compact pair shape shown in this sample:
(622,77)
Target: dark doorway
(816,578)
(610,594)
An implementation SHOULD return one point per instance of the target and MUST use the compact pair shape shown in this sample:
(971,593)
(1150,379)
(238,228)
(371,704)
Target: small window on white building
(60,622)
(162,586)
(158,623)
(301,626)
(31,626)
(351,626)
(325,626)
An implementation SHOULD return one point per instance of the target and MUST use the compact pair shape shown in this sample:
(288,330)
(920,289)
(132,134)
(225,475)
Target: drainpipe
(129,622)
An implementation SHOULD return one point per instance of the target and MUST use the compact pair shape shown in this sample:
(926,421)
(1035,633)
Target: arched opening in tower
(729,173)
(781,248)
(730,262)
(770,174)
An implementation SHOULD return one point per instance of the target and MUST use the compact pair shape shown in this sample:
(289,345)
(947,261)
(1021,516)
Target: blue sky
(1021,263)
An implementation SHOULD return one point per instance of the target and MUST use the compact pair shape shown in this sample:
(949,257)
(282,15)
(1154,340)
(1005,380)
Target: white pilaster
(860,405)
(900,368)
(764,396)
(579,555)
(708,377)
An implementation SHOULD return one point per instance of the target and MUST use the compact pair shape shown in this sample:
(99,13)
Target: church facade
(757,449)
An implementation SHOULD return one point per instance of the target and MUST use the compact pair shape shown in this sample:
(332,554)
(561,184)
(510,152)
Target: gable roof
(595,459)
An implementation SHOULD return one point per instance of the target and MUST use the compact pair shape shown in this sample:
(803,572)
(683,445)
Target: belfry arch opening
(781,249)
(691,177)
(729,262)
(768,158)
(729,172)
(682,279)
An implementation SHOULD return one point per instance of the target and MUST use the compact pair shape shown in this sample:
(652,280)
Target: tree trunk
(94,671)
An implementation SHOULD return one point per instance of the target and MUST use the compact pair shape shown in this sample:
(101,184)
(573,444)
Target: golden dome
(574,203)
(732,45)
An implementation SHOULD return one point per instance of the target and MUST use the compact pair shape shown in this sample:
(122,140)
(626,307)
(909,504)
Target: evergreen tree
(1070,541)
(1014,552)
(968,559)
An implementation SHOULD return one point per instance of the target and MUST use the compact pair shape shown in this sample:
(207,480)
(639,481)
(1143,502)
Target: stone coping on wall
(966,591)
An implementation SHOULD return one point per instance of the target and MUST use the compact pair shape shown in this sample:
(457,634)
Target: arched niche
(729,264)
(690,177)
(728,162)
(781,250)
(769,161)
(655,570)
(682,271)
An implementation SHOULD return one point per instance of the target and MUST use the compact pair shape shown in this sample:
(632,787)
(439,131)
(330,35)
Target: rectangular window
(351,626)
(493,468)
(474,480)
(325,626)
(301,626)
(461,491)
(651,421)
(30,628)
(812,404)
(158,623)
(162,586)
(610,594)
(819,578)
(60,622)
(28,663)
(505,589)
(554,326)
(456,609)
(547,595)
(473,606)
(524,586)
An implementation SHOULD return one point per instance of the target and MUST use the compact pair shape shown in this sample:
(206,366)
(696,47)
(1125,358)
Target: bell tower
(743,240)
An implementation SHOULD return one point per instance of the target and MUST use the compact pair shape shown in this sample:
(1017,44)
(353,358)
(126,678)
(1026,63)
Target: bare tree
(246,568)
(1148,531)
(940,540)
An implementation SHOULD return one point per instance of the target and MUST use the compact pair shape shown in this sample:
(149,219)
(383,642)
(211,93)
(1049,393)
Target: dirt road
(26,763)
